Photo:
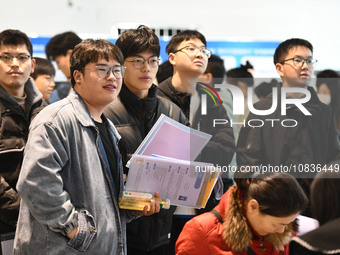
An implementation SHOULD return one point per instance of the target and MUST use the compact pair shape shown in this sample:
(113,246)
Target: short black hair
(265,88)
(240,74)
(43,67)
(165,70)
(134,41)
(15,37)
(282,50)
(89,51)
(216,68)
(60,44)
(185,35)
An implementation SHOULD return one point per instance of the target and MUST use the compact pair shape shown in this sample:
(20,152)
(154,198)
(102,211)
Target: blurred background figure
(265,88)
(242,78)
(43,77)
(215,74)
(59,49)
(328,89)
(165,70)
(325,197)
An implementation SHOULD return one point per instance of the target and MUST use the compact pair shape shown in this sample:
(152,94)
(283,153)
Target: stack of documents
(164,162)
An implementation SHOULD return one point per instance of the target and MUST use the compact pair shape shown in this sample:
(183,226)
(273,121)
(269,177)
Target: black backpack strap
(250,252)
(217,215)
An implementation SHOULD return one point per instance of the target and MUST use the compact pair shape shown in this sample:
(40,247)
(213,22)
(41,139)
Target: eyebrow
(299,56)
(193,44)
(21,53)
(139,56)
(107,65)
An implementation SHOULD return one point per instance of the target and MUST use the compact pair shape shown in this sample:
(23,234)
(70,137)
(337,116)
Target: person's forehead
(11,48)
(193,41)
(144,54)
(103,61)
(299,50)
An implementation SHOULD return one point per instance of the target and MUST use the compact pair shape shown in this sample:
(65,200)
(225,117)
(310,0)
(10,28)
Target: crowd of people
(64,163)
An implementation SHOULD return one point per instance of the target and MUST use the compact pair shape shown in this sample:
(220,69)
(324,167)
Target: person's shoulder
(206,222)
(60,109)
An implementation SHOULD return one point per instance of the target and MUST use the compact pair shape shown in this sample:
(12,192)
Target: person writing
(255,216)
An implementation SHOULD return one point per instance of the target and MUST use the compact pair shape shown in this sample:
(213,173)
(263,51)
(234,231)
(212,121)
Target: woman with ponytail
(255,216)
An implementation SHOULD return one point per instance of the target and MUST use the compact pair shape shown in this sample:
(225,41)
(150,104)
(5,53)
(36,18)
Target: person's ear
(69,52)
(253,206)
(279,69)
(33,65)
(172,58)
(77,75)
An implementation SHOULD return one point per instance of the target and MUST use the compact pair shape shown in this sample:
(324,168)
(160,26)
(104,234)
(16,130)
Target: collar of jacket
(182,99)
(138,105)
(31,91)
(83,114)
(324,239)
(238,234)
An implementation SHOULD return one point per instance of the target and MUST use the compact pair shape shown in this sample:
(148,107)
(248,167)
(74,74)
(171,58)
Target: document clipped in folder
(184,183)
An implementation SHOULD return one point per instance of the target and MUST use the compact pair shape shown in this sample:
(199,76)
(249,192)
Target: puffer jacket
(134,117)
(206,235)
(14,123)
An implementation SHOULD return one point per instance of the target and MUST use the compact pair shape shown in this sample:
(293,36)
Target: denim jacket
(64,183)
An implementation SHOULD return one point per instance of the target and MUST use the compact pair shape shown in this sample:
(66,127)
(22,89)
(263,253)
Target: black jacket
(221,147)
(14,124)
(323,240)
(314,140)
(134,117)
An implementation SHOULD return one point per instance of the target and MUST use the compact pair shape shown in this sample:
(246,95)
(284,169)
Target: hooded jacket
(205,235)
(14,123)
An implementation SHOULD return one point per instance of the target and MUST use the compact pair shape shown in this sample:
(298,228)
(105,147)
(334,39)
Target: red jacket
(202,235)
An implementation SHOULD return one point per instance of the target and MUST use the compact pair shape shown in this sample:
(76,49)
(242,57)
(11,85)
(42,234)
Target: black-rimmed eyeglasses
(138,62)
(191,50)
(21,58)
(298,62)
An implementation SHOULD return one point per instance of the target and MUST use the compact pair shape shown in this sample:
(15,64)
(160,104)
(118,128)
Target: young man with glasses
(71,175)
(305,144)
(20,101)
(134,113)
(189,57)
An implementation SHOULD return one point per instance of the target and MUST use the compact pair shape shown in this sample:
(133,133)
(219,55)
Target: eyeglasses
(104,71)
(138,63)
(192,49)
(298,62)
(21,58)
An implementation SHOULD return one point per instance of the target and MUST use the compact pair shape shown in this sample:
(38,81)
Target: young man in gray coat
(72,173)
